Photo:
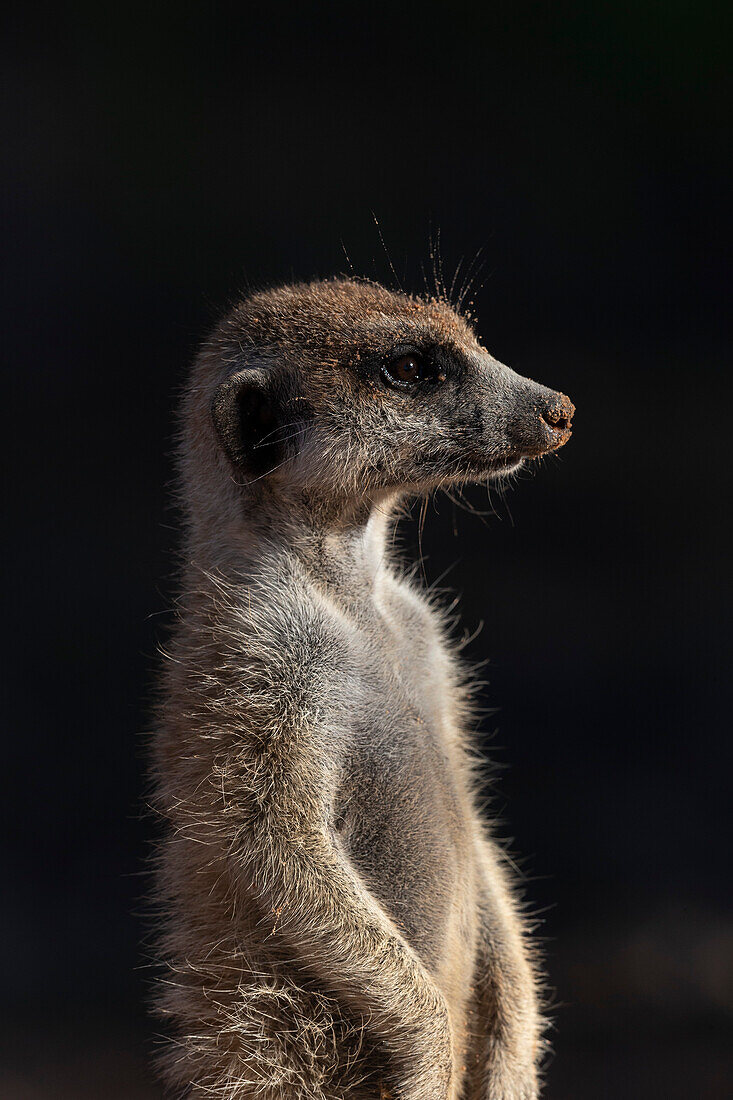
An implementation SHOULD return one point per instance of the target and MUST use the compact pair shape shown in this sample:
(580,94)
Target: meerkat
(340,922)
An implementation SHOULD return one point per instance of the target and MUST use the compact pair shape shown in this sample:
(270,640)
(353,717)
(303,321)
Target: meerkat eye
(405,370)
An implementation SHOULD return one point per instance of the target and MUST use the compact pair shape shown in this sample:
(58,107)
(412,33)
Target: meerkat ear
(247,421)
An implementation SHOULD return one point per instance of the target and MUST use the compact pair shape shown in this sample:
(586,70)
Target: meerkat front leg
(505,1024)
(337,930)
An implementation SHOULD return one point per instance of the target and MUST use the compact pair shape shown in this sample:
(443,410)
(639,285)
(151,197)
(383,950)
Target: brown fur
(339,921)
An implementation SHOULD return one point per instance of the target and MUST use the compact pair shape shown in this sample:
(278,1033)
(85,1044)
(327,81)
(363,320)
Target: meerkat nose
(558,413)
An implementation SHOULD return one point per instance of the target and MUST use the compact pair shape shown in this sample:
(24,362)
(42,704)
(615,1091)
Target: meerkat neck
(338,548)
(344,556)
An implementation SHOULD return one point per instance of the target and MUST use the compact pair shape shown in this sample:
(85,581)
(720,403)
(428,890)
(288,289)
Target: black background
(159,163)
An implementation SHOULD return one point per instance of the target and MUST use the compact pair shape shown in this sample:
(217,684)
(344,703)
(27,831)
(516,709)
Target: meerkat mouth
(496,468)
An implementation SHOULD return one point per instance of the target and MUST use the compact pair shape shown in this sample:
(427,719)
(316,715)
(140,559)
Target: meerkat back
(339,921)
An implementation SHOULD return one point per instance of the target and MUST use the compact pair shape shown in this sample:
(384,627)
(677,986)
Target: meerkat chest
(405,812)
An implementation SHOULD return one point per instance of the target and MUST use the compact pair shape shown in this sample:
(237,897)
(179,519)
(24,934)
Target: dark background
(156,165)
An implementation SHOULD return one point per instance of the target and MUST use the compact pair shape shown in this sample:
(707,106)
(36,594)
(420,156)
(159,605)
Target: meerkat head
(346,389)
